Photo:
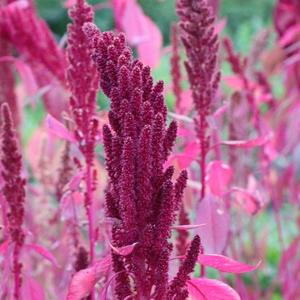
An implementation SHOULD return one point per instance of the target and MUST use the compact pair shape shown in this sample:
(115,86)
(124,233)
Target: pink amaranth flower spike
(13,191)
(140,194)
(20,26)
(201,46)
(82,79)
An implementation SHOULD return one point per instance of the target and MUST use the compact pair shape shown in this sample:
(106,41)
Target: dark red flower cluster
(201,46)
(13,190)
(82,78)
(141,196)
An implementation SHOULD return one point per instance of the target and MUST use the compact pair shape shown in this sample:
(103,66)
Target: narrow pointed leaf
(59,129)
(124,251)
(210,289)
(260,141)
(187,227)
(225,264)
(44,252)
(32,290)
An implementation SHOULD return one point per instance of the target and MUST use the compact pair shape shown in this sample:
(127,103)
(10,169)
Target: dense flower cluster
(82,78)
(13,191)
(201,46)
(20,26)
(141,196)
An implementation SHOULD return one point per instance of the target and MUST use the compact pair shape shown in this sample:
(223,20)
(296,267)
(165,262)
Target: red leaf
(186,227)
(59,129)
(225,264)
(84,281)
(124,251)
(32,290)
(214,234)
(218,178)
(44,252)
(260,141)
(210,289)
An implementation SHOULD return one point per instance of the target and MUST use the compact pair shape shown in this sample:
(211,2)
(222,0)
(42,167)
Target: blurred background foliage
(244,17)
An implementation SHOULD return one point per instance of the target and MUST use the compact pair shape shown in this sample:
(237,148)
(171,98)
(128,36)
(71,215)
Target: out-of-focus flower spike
(13,191)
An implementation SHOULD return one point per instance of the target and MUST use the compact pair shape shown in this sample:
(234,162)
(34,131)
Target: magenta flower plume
(20,26)
(140,195)
(201,46)
(13,191)
(82,78)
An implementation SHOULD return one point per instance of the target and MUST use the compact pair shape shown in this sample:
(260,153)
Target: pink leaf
(214,234)
(124,251)
(59,129)
(3,247)
(32,290)
(81,284)
(69,205)
(238,83)
(219,27)
(183,132)
(186,227)
(290,35)
(186,103)
(134,24)
(26,74)
(251,202)
(210,289)
(218,178)
(149,50)
(69,3)
(101,267)
(84,281)
(225,264)
(104,290)
(44,252)
(260,141)
(74,183)
(142,32)
(221,110)
(190,153)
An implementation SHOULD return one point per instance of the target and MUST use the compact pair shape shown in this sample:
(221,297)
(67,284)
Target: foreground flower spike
(82,79)
(201,46)
(137,143)
(13,191)
(178,288)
